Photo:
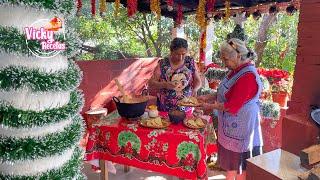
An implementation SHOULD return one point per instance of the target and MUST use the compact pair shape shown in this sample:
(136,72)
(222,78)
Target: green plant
(270,110)
(215,74)
(205,91)
(282,85)
(265,84)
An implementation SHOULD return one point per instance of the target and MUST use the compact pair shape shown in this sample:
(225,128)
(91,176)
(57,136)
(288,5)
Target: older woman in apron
(175,77)
(237,103)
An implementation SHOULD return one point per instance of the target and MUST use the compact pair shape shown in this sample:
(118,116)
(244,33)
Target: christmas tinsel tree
(40,124)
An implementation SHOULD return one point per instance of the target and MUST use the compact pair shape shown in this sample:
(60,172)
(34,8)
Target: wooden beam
(310,155)
(304,176)
(104,170)
(315,174)
(126,168)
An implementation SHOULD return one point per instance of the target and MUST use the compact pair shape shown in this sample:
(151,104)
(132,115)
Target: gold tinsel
(116,7)
(201,14)
(204,39)
(203,45)
(102,6)
(155,7)
(227,11)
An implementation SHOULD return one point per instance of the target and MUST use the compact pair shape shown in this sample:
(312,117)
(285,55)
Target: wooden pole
(104,170)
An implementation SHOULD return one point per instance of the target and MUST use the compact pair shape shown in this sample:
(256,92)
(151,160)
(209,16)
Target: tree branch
(262,39)
(148,30)
(155,45)
(89,49)
(142,38)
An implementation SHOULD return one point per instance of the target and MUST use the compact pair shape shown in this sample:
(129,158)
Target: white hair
(235,45)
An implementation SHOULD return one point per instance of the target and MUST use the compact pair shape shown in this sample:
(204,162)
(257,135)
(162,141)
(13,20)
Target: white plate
(97,111)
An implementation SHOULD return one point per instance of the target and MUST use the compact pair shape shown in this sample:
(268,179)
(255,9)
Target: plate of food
(195,122)
(157,122)
(189,101)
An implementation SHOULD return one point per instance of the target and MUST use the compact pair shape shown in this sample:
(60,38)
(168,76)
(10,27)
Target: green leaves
(282,35)
(62,6)
(215,73)
(270,109)
(117,36)
(205,91)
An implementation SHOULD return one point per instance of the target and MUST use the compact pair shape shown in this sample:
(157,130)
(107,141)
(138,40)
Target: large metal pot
(315,114)
(131,110)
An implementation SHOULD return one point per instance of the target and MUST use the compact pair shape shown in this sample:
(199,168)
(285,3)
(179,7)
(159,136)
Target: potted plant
(281,91)
(270,110)
(280,84)
(266,88)
(205,91)
(214,76)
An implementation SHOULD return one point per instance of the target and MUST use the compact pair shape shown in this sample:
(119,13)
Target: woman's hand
(202,98)
(215,105)
(194,92)
(206,98)
(207,106)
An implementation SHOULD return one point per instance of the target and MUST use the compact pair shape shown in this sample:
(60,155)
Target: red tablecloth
(176,150)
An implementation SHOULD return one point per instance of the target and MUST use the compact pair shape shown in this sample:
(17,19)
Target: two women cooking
(236,101)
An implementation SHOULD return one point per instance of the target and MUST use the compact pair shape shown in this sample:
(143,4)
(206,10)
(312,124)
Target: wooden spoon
(126,98)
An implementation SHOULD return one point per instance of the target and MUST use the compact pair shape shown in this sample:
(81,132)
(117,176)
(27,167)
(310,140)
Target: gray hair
(236,45)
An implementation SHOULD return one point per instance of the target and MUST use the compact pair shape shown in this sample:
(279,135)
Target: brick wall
(299,131)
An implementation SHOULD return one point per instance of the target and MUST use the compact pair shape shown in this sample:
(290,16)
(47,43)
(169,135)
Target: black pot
(176,116)
(315,114)
(130,110)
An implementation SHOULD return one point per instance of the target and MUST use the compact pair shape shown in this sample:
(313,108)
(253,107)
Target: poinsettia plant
(279,79)
(283,85)
(273,73)
(212,65)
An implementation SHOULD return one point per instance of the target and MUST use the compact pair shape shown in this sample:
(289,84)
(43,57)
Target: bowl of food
(176,116)
(189,101)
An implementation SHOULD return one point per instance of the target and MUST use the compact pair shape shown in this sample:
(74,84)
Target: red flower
(189,160)
(128,149)
(273,73)
(212,65)
(281,74)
